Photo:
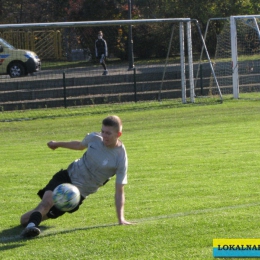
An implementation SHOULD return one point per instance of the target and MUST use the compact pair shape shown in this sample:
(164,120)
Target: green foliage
(193,177)
(82,10)
(153,40)
(148,42)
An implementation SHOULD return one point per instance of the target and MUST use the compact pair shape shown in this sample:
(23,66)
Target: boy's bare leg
(33,218)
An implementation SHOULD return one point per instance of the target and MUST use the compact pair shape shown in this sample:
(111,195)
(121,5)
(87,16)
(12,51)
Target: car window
(6,44)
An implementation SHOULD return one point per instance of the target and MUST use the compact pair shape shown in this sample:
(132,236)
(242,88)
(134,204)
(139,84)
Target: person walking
(101,51)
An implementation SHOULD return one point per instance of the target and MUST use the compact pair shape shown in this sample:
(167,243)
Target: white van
(16,62)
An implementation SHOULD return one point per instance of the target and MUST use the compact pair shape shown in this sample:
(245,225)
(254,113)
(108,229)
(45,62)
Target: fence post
(130,38)
(201,78)
(64,90)
(135,84)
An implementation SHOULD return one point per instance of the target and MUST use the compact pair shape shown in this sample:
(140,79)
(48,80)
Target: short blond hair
(113,121)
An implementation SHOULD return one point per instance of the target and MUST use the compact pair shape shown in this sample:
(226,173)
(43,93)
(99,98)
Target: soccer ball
(66,197)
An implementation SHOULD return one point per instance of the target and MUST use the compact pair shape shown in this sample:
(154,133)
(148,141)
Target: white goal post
(237,55)
(251,21)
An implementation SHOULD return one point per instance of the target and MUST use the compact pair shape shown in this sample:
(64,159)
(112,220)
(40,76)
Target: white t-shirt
(97,165)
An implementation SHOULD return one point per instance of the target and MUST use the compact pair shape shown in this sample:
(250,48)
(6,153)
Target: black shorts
(60,177)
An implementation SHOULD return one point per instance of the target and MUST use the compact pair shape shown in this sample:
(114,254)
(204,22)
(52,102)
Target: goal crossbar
(93,23)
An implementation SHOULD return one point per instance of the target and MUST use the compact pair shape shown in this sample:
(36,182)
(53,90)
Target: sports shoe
(105,73)
(30,232)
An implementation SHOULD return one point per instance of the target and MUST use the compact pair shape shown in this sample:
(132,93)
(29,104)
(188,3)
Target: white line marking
(197,212)
(154,218)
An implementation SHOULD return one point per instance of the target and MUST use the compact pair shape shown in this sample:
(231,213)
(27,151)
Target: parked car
(16,62)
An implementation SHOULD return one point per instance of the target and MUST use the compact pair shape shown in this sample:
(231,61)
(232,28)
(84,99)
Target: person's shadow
(10,238)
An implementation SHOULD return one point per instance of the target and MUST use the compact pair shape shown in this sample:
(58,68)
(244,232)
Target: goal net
(237,55)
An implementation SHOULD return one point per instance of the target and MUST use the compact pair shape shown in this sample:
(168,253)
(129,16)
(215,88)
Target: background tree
(31,11)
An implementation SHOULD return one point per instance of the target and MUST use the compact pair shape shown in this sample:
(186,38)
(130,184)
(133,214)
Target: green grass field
(193,176)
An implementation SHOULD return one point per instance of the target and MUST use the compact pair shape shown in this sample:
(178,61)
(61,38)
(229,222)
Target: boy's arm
(106,49)
(96,52)
(74,145)
(120,202)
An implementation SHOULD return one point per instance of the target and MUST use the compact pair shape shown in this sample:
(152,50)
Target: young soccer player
(101,51)
(105,157)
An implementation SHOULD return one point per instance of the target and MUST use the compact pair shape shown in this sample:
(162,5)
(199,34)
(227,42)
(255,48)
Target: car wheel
(16,69)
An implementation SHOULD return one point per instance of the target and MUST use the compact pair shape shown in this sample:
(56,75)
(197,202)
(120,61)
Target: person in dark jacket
(101,51)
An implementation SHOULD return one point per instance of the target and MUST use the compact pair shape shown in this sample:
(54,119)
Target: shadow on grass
(12,235)
(67,231)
